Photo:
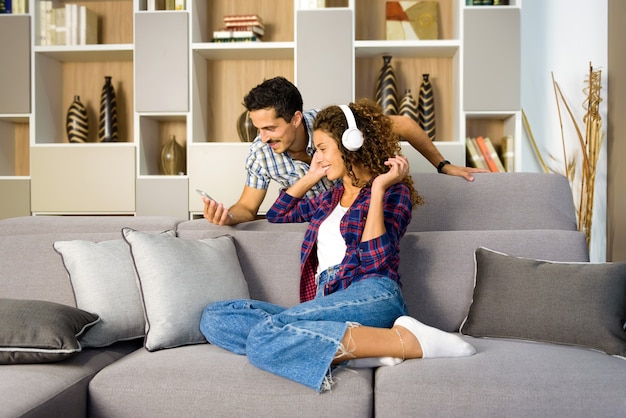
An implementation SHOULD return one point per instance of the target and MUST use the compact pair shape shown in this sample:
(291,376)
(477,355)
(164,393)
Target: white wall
(561,38)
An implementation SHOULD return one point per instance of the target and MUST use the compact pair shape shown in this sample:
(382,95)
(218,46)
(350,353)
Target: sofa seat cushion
(506,378)
(205,380)
(35,390)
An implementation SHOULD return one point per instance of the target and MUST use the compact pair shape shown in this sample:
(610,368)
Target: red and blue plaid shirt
(376,257)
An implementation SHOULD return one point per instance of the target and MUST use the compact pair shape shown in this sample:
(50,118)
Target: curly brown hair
(379,140)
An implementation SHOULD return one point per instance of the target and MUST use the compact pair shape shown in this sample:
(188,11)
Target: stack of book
(240,28)
(483,154)
(72,24)
(16,7)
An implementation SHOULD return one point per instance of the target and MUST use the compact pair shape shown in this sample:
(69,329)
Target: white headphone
(352,138)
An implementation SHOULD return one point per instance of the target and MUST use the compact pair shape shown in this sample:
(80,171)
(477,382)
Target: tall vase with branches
(580,167)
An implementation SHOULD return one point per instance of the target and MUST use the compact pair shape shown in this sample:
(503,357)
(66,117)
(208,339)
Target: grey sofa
(521,214)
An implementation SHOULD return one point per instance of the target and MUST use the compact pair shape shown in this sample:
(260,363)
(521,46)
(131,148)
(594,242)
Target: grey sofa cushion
(178,278)
(223,384)
(35,331)
(569,303)
(55,389)
(437,268)
(104,282)
(505,378)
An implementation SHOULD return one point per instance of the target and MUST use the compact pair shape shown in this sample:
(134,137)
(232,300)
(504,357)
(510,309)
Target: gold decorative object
(173,161)
(579,168)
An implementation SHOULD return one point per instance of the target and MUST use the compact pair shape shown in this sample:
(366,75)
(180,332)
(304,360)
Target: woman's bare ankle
(411,346)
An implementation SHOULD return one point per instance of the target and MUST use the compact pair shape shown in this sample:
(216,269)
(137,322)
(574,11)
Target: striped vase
(408,106)
(385,93)
(76,122)
(107,126)
(426,107)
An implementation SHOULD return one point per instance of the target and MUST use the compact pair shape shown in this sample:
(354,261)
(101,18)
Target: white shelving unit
(170,79)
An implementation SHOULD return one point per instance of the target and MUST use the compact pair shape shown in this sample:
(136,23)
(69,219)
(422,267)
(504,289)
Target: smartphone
(205,194)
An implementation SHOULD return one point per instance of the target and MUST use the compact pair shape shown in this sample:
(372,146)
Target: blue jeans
(300,343)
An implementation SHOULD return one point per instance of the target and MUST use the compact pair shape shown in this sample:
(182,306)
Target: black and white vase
(107,126)
(76,122)
(426,107)
(408,106)
(386,94)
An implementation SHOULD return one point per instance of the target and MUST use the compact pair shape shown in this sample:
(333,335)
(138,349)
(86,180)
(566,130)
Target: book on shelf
(508,153)
(240,28)
(476,158)
(243,18)
(45,22)
(491,156)
(236,34)
(174,5)
(5,7)
(87,26)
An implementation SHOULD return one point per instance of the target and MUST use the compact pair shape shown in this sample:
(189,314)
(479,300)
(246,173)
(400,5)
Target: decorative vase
(246,130)
(76,122)
(107,126)
(426,107)
(386,94)
(173,161)
(408,106)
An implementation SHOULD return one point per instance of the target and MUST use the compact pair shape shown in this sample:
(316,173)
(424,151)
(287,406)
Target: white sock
(434,342)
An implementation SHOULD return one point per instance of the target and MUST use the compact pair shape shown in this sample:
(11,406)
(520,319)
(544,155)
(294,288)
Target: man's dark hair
(277,93)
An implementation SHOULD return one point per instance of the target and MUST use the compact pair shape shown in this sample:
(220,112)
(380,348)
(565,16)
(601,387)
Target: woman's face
(329,155)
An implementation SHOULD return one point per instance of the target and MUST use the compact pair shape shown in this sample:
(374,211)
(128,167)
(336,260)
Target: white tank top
(331,247)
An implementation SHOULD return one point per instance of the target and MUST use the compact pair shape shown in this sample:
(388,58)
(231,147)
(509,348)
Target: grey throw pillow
(35,331)
(104,282)
(582,304)
(178,278)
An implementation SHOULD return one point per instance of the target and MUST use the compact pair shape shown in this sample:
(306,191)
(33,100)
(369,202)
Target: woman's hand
(398,170)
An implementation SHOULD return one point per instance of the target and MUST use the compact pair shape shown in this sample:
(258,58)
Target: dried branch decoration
(581,172)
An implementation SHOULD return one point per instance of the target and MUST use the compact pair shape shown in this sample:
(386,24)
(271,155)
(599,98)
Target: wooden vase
(426,107)
(76,121)
(386,94)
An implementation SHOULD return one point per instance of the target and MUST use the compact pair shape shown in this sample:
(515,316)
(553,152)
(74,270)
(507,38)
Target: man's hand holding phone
(214,212)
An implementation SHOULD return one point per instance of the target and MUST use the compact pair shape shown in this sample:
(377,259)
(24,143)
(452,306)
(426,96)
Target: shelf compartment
(408,71)
(83,178)
(208,16)
(496,126)
(218,88)
(115,19)
(14,146)
(154,132)
(56,84)
(371,25)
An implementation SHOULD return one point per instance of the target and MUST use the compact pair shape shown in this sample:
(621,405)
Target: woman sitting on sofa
(352,311)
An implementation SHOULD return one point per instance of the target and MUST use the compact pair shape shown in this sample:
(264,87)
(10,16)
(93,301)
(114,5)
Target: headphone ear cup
(352,139)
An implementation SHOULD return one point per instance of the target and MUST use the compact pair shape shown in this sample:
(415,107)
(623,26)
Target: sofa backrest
(493,201)
(30,268)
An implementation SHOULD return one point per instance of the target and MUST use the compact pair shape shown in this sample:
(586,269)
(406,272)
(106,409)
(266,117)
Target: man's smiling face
(278,133)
